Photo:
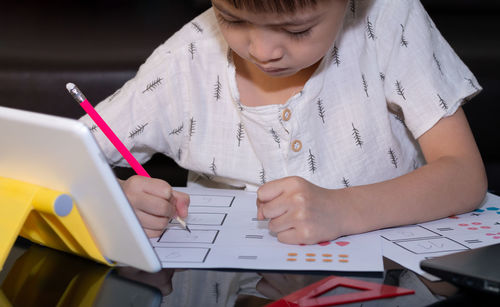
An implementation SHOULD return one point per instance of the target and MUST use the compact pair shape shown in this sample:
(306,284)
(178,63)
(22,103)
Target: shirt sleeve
(424,79)
(142,113)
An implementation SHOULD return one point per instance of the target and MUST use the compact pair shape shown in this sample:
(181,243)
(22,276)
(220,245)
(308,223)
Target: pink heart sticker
(342,243)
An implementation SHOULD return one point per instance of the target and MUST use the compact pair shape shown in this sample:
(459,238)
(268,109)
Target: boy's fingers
(156,206)
(270,191)
(280,224)
(158,188)
(288,236)
(260,215)
(273,209)
(152,222)
(181,203)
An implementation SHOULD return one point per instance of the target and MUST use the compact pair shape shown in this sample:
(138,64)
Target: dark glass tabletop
(34,275)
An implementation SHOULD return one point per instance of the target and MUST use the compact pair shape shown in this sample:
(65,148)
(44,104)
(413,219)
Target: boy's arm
(453,181)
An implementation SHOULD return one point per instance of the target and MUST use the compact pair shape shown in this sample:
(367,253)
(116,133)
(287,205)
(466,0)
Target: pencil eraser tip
(70,86)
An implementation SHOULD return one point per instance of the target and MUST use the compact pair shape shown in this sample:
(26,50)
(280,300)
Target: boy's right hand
(154,202)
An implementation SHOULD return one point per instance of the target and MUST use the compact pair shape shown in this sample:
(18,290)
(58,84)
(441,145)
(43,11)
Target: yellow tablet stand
(45,217)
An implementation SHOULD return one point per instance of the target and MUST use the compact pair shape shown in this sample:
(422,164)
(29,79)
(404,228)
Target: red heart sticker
(342,243)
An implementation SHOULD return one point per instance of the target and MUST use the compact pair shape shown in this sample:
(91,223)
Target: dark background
(100,44)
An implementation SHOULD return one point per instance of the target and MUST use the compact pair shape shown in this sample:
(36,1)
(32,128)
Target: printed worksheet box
(433,245)
(182,254)
(203,219)
(408,233)
(210,200)
(184,236)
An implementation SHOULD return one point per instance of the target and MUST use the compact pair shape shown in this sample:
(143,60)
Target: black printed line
(370,30)
(311,161)
(335,56)
(321,110)
(153,85)
(177,130)
(197,27)
(404,42)
(137,130)
(192,50)
(400,90)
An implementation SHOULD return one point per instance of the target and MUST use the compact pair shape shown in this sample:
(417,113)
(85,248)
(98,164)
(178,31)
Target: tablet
(61,154)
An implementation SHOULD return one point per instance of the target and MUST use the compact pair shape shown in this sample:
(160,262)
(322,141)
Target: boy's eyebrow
(297,22)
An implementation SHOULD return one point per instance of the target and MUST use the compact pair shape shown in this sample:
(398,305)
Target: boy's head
(273,6)
(280,37)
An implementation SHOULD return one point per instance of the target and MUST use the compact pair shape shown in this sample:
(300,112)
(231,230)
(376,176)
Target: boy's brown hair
(273,6)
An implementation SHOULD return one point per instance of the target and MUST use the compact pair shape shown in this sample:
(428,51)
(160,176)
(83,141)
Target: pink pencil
(85,104)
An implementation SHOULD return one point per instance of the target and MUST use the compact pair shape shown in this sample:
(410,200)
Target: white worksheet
(225,233)
(409,245)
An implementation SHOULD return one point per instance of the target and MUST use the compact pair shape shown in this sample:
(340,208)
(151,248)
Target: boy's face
(281,45)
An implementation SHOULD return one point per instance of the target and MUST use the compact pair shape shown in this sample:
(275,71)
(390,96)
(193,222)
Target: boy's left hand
(301,212)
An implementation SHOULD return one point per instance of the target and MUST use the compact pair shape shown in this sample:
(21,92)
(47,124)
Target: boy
(345,115)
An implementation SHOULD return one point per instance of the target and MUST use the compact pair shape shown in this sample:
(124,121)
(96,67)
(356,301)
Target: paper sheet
(409,245)
(227,234)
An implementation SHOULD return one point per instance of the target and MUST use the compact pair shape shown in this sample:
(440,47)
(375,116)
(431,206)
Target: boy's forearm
(445,187)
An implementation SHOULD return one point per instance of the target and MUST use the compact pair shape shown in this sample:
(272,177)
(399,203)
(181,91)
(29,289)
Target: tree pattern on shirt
(229,57)
(335,57)
(438,63)
(153,85)
(137,130)
(471,83)
(114,95)
(240,133)
(382,76)
(179,154)
(197,27)
(192,127)
(93,128)
(311,161)
(177,130)
(321,109)
(240,106)
(345,182)
(400,90)
(370,30)
(276,137)
(400,119)
(403,41)
(393,158)
(357,136)
(262,176)
(280,120)
(365,85)
(217,89)
(352,8)
(213,167)
(442,103)
(192,50)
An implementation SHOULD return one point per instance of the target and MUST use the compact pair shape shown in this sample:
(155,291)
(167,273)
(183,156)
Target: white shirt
(389,77)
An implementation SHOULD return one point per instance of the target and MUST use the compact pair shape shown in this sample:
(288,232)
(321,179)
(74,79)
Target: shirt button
(286,114)
(296,145)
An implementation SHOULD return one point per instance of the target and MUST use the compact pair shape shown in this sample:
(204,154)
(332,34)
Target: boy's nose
(263,47)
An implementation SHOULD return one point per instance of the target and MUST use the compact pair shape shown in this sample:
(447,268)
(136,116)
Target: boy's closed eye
(295,32)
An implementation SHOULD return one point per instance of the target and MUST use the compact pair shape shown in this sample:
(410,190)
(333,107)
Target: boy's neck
(257,88)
